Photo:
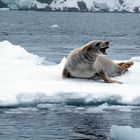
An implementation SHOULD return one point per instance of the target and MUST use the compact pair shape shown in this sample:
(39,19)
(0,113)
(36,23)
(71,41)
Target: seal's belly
(81,70)
(82,74)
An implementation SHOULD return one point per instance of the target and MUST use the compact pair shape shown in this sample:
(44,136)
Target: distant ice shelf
(73,5)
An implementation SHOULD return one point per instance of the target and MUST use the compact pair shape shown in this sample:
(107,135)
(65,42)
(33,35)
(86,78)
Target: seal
(91,62)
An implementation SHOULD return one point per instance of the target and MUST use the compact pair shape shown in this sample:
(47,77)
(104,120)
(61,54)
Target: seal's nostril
(107,42)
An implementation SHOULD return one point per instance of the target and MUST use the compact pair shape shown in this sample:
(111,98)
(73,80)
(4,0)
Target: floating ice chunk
(54,26)
(23,75)
(4,9)
(124,133)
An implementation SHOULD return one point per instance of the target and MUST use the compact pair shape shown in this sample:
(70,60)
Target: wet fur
(91,62)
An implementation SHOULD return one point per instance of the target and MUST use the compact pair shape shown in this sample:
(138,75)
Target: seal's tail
(65,73)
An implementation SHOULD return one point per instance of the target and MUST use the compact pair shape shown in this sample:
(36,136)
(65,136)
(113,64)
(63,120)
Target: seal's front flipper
(107,79)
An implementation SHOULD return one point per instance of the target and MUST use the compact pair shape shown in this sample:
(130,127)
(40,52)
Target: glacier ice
(76,5)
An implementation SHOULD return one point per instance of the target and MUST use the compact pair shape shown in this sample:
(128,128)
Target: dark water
(33,31)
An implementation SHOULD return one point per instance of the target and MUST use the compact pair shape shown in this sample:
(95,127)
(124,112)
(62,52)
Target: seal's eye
(96,47)
(98,44)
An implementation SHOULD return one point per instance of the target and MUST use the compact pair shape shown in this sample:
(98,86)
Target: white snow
(96,5)
(61,4)
(39,5)
(131,4)
(25,4)
(124,133)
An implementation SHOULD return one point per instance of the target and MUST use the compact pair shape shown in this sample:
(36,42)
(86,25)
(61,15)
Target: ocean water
(36,103)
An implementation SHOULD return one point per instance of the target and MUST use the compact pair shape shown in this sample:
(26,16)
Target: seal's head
(103,45)
(97,46)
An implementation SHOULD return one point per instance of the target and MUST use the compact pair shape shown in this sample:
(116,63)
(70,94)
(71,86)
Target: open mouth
(103,50)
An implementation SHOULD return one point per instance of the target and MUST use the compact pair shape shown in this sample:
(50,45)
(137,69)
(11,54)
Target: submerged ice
(25,78)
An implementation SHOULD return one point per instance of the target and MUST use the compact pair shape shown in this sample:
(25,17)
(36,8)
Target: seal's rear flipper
(123,66)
